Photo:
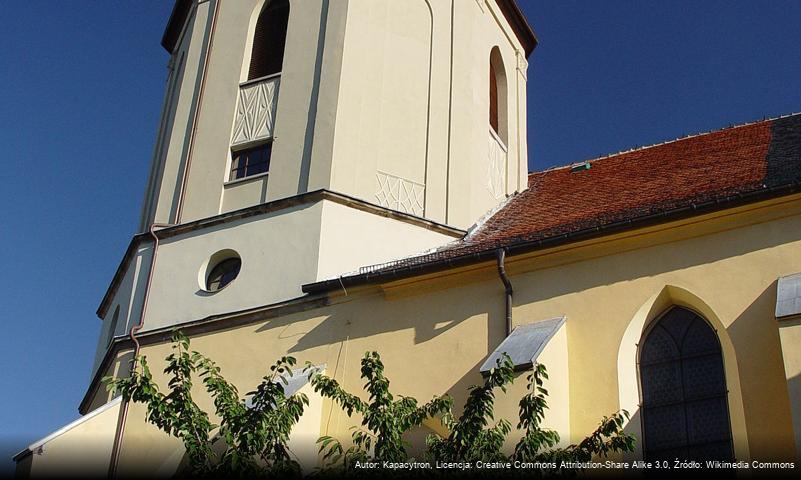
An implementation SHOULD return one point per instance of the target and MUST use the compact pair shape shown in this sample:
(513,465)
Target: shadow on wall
(377,316)
(794,385)
(424,321)
(634,428)
(766,402)
(618,267)
(562,280)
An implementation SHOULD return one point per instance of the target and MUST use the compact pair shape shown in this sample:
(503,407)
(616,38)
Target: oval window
(223,273)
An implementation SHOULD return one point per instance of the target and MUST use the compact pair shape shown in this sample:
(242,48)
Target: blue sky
(81,90)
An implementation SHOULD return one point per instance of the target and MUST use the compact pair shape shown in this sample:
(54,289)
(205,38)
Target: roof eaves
(515,247)
(517,20)
(178,17)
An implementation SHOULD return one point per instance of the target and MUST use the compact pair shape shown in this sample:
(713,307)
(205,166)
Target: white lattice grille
(400,194)
(255,111)
(496,167)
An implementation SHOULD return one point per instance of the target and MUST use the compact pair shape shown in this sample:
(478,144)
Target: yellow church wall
(790,334)
(433,333)
(557,417)
(729,277)
(422,359)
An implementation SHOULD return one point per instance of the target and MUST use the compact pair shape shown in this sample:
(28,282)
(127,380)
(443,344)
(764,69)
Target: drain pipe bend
(115,452)
(501,256)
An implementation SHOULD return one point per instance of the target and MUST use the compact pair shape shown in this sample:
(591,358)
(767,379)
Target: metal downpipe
(115,451)
(501,256)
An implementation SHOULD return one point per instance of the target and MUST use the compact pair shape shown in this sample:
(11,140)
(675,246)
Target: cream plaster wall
(351,238)
(273,266)
(128,297)
(556,359)
(434,332)
(82,449)
(177,112)
(382,111)
(411,348)
(731,277)
(327,239)
(414,103)
(205,192)
(247,191)
(367,87)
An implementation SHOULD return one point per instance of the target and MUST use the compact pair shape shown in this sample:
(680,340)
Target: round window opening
(223,273)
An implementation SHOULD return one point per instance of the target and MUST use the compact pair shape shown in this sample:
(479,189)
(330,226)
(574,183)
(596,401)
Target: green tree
(536,444)
(251,439)
(253,434)
(471,438)
(384,418)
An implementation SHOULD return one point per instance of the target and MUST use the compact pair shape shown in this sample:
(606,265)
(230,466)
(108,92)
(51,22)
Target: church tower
(317,167)
(300,140)
(414,105)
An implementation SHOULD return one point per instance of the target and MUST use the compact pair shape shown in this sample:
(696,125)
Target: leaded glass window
(223,274)
(683,384)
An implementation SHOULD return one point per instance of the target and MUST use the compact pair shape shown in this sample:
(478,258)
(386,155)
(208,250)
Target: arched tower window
(493,99)
(497,95)
(269,39)
(684,405)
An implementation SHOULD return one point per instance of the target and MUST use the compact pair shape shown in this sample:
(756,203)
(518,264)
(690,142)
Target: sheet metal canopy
(300,377)
(524,344)
(788,296)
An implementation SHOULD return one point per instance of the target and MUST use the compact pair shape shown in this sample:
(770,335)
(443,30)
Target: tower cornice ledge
(261,209)
(511,11)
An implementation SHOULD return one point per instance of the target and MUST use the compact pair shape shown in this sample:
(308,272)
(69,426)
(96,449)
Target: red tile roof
(693,174)
(632,184)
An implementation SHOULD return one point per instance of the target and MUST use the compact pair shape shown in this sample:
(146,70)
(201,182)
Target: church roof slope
(680,178)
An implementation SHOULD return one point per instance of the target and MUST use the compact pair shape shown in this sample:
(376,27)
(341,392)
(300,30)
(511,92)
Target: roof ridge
(659,144)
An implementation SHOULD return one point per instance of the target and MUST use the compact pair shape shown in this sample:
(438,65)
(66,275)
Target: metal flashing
(524,344)
(788,296)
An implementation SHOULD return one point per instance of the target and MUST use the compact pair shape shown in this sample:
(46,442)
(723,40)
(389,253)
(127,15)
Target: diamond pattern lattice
(400,194)
(255,111)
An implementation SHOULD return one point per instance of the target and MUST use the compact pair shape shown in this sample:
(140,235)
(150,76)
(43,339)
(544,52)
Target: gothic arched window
(269,39)
(684,406)
(497,95)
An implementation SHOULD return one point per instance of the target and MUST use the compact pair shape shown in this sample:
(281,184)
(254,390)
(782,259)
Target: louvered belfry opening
(269,39)
(493,98)
(684,406)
